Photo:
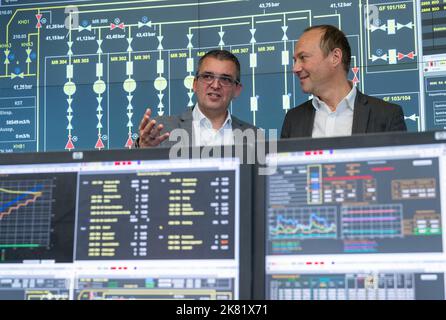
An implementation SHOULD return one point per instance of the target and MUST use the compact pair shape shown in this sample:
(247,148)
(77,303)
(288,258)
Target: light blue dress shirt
(205,135)
(336,123)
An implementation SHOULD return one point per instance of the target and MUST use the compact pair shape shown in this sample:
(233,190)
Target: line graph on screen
(25,213)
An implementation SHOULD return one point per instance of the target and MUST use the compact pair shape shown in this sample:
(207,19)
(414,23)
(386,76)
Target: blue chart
(25,213)
(303,223)
(372,221)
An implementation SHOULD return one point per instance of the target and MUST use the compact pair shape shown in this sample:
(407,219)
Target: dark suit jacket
(184,121)
(370,115)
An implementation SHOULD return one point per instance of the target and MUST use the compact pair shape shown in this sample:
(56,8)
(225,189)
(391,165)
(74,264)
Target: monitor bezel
(314,144)
(245,188)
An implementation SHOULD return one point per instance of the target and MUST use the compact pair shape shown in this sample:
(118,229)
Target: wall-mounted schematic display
(79,74)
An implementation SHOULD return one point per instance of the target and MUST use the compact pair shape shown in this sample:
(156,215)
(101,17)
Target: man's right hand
(149,133)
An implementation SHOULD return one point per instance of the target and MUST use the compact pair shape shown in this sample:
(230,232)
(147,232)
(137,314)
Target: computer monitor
(353,218)
(124,224)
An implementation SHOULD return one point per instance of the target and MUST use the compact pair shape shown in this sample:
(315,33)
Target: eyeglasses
(209,78)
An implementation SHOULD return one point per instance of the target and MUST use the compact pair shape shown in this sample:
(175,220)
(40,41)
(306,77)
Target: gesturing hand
(149,133)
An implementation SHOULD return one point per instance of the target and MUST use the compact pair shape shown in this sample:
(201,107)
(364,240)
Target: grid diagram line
(372,221)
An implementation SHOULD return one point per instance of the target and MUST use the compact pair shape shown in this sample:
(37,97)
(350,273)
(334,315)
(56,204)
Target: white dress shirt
(206,135)
(336,123)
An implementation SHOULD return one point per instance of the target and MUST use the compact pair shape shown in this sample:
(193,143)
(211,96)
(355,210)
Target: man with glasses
(216,83)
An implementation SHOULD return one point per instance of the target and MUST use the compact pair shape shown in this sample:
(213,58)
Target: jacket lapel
(237,124)
(307,126)
(186,121)
(361,114)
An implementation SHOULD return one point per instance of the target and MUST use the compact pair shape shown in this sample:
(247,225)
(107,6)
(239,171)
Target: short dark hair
(334,38)
(221,55)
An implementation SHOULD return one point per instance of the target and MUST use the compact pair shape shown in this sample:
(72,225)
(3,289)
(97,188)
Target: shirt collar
(197,115)
(349,98)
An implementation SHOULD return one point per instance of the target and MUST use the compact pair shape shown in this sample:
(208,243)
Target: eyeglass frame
(214,77)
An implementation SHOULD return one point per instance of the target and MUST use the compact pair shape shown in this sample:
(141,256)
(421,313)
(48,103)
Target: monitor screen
(122,225)
(355,221)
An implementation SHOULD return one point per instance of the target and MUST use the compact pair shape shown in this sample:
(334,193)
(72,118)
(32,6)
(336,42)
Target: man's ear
(336,56)
(194,85)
